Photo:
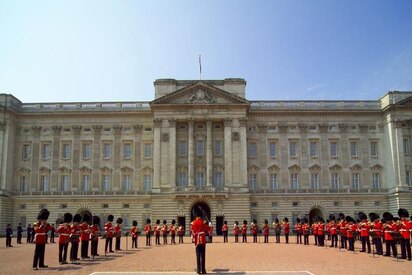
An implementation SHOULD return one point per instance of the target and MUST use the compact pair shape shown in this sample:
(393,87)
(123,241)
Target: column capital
(76,129)
(117,129)
(209,122)
(283,127)
(303,127)
(263,127)
(157,122)
(343,127)
(323,127)
(363,127)
(243,121)
(137,128)
(228,121)
(36,129)
(172,122)
(56,129)
(190,122)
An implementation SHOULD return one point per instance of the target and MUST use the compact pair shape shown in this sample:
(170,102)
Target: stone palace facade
(203,143)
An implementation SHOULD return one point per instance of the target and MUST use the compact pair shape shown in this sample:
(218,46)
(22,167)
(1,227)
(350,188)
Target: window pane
(354,149)
(355,181)
(200,179)
(376,180)
(313,149)
(218,179)
(294,181)
(85,183)
(293,148)
(106,182)
(66,151)
(252,149)
(106,151)
(147,182)
(314,179)
(335,181)
(218,147)
(182,148)
(199,148)
(126,183)
(86,150)
(272,149)
(148,150)
(374,149)
(333,149)
(273,181)
(182,179)
(252,181)
(65,183)
(127,151)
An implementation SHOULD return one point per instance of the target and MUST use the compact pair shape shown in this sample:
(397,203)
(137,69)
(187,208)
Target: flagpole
(200,67)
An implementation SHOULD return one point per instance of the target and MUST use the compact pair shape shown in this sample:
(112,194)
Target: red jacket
(157,230)
(85,233)
(75,232)
(389,228)
(266,228)
(180,230)
(236,229)
(350,232)
(164,230)
(64,232)
(147,229)
(321,227)
(225,228)
(254,229)
(109,229)
(244,229)
(40,233)
(333,228)
(286,228)
(200,229)
(364,228)
(173,230)
(94,231)
(117,231)
(405,229)
(377,228)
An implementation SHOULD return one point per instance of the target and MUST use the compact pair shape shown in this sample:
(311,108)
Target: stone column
(172,152)
(137,159)
(76,158)
(35,153)
(263,154)
(190,154)
(55,156)
(209,154)
(96,157)
(156,155)
(228,151)
(243,152)
(116,186)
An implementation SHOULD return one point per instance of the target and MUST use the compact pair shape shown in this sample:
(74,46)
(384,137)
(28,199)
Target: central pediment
(199,94)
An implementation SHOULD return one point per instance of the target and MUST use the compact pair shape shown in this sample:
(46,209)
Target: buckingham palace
(201,142)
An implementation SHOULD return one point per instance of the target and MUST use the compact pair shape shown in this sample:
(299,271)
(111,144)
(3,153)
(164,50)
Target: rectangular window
(66,151)
(182,148)
(148,151)
(218,179)
(406,146)
(376,180)
(272,150)
(253,181)
(333,149)
(86,150)
(65,183)
(107,150)
(147,183)
(313,149)
(46,151)
(85,183)
(408,178)
(24,184)
(44,183)
(200,179)
(127,183)
(182,179)
(355,181)
(127,150)
(335,181)
(252,149)
(26,152)
(106,182)
(218,148)
(273,181)
(200,147)
(294,181)
(293,146)
(354,149)
(314,181)
(374,149)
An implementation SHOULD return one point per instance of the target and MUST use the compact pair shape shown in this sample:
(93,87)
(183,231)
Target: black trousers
(39,255)
(351,244)
(321,240)
(28,238)
(405,247)
(148,240)
(225,237)
(306,239)
(134,242)
(74,250)
(52,237)
(366,242)
(201,258)
(108,244)
(287,237)
(378,245)
(164,239)
(277,237)
(19,238)
(334,239)
(316,239)
(63,252)
(299,238)
(157,239)
(181,239)
(84,249)
(236,238)
(94,244)
(391,244)
(8,241)
(244,238)
(173,239)
(117,246)
(255,238)
(343,242)
(266,238)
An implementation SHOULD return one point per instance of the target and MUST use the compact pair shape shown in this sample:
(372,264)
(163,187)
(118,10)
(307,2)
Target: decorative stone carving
(97,129)
(76,129)
(235,136)
(323,128)
(243,121)
(56,129)
(303,127)
(165,137)
(36,130)
(228,122)
(283,127)
(200,97)
(343,127)
(157,122)
(137,128)
(263,127)
(363,127)
(172,122)
(117,129)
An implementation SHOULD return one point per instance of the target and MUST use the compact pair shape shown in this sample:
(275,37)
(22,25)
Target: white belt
(64,234)
(40,233)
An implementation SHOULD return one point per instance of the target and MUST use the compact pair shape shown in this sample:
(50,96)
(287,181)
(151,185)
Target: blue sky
(64,51)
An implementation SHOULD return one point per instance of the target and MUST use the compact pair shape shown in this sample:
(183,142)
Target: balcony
(319,191)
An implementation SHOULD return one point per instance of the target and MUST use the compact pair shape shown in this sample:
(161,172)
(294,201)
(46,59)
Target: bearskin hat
(373,216)
(286,219)
(173,222)
(349,219)
(43,214)
(362,216)
(110,218)
(332,217)
(196,212)
(148,221)
(254,221)
(96,220)
(134,223)
(67,218)
(59,221)
(276,220)
(236,222)
(77,218)
(305,220)
(298,220)
(403,213)
(341,216)
(387,216)
(157,221)
(244,221)
(225,222)
(164,222)
(86,218)
(266,221)
(119,220)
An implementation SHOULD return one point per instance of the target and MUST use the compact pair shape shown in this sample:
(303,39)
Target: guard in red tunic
(225,230)
(108,227)
(390,230)
(165,231)
(94,235)
(364,232)
(85,236)
(180,232)
(315,230)
(321,231)
(342,231)
(75,239)
(333,231)
(278,229)
(244,231)
(133,234)
(405,228)
(350,232)
(40,228)
(376,232)
(157,229)
(63,230)
(236,231)
(306,231)
(254,230)
(200,228)
(148,232)
(298,229)
(266,229)
(173,229)
(118,233)
(286,229)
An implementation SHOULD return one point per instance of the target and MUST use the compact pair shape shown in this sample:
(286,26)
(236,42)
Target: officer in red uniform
(405,227)
(342,231)
(64,232)
(108,227)
(333,231)
(118,233)
(266,229)
(350,232)
(306,231)
(364,232)
(173,229)
(180,232)
(278,229)
(321,231)
(286,229)
(148,231)
(200,228)
(244,231)
(85,236)
(254,228)
(40,228)
(94,235)
(225,230)
(134,233)
(236,231)
(389,229)
(298,229)
(376,229)
(75,239)
(165,231)
(157,229)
